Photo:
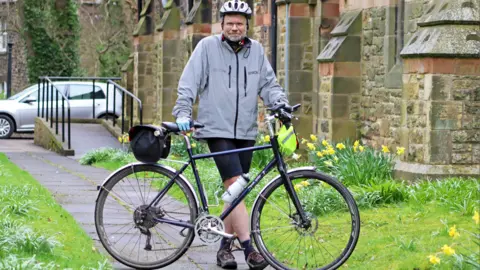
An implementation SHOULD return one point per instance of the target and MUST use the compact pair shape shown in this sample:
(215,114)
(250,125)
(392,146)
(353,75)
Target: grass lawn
(33,224)
(394,236)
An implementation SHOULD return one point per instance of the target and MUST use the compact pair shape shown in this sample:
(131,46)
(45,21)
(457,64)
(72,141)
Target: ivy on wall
(52,30)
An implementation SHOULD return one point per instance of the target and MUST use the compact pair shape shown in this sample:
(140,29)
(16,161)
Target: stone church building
(393,72)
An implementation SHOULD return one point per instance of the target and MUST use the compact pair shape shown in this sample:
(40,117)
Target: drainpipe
(9,70)
(287,40)
(273,36)
(400,28)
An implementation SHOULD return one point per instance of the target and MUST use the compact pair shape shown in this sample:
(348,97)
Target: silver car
(17,113)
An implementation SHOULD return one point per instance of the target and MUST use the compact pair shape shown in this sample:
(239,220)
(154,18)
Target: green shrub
(372,195)
(11,262)
(351,164)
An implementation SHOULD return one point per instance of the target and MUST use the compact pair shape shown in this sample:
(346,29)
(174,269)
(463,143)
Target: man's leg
(238,218)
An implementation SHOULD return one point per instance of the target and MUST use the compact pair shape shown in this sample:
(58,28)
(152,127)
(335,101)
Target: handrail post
(131,112)
(46,99)
(51,107)
(69,130)
(108,86)
(123,112)
(63,119)
(93,93)
(114,102)
(38,99)
(141,114)
(56,112)
(43,98)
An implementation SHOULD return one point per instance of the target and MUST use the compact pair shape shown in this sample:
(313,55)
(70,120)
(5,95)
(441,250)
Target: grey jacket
(227,84)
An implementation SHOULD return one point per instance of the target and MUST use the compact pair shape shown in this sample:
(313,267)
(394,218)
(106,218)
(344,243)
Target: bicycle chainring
(205,224)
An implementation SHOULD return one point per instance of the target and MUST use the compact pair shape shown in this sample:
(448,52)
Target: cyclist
(228,72)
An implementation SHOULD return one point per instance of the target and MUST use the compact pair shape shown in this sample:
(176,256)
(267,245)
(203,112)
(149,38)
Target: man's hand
(183,123)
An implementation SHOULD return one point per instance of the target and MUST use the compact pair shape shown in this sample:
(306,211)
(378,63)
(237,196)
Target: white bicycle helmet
(236,7)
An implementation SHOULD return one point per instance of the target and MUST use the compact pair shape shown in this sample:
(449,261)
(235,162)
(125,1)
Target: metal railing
(44,109)
(48,96)
(132,97)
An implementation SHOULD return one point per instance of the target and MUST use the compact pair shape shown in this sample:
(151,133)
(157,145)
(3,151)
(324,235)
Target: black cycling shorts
(232,164)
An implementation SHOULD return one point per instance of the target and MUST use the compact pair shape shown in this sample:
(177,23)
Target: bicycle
(296,219)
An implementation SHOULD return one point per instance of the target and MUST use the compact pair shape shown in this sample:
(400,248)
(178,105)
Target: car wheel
(6,127)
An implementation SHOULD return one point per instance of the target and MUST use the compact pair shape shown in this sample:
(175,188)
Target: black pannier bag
(149,143)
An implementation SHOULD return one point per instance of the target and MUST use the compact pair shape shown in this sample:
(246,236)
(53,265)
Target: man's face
(234,26)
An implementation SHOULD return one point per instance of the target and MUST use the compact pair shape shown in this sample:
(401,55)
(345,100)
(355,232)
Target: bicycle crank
(210,229)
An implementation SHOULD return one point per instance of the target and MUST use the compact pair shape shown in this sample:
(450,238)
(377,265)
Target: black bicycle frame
(277,160)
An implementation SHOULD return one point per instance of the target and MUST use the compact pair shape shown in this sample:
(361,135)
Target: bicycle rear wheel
(129,232)
(333,232)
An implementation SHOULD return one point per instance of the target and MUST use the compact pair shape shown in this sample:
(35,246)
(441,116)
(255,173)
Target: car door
(27,111)
(81,99)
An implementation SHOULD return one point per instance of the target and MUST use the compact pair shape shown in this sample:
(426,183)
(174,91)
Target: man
(228,72)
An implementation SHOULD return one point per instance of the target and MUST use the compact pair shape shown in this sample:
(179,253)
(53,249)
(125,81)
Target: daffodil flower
(328,163)
(330,151)
(194,145)
(305,183)
(297,187)
(340,146)
(311,146)
(476,217)
(356,144)
(434,259)
(385,149)
(319,154)
(449,251)
(304,141)
(400,150)
(266,138)
(453,232)
(313,137)
(361,148)
(324,143)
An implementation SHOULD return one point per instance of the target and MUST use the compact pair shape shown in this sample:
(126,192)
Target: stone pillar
(168,61)
(441,93)
(339,70)
(300,58)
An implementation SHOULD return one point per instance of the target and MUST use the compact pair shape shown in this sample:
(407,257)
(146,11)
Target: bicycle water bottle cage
(149,143)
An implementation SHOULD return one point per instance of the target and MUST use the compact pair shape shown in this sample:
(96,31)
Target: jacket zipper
(245,78)
(236,113)
(229,78)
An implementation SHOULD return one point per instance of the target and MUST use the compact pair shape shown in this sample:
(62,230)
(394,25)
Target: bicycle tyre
(276,260)
(99,215)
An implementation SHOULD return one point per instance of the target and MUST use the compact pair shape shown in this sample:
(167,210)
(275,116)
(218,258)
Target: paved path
(74,187)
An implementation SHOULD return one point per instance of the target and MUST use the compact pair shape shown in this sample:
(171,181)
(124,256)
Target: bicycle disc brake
(208,227)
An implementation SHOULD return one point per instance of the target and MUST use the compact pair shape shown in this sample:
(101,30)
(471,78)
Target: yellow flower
(385,149)
(361,148)
(324,152)
(311,146)
(297,187)
(400,150)
(305,183)
(194,145)
(330,151)
(453,232)
(448,250)
(356,144)
(266,138)
(434,259)
(328,163)
(319,154)
(340,146)
(336,159)
(120,139)
(476,217)
(324,143)
(296,156)
(304,141)
(313,137)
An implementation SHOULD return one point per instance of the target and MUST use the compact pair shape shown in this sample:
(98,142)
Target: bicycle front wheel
(129,231)
(334,223)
